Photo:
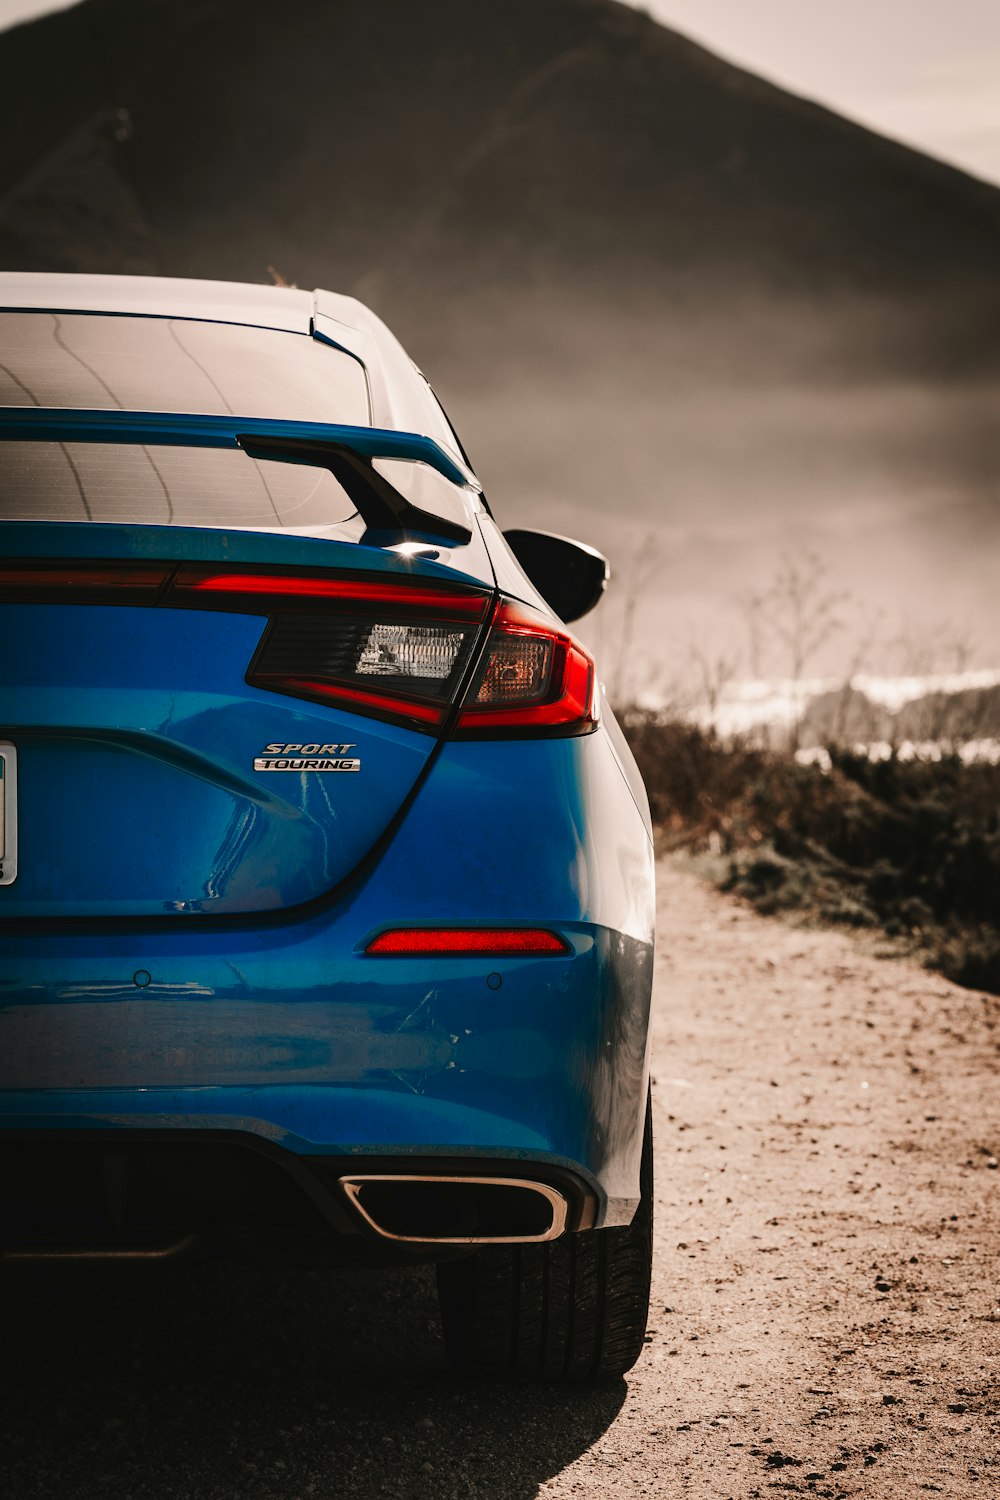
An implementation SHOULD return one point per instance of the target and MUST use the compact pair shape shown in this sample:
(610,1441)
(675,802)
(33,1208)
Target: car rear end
(325,914)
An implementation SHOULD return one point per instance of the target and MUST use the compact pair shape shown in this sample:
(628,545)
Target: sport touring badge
(307,758)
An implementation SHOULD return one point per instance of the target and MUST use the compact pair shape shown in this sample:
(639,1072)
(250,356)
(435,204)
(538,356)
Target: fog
(696,474)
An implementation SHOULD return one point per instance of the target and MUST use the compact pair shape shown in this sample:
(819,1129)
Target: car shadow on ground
(221,1380)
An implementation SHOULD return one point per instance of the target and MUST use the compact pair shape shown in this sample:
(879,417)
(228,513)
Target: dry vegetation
(907,847)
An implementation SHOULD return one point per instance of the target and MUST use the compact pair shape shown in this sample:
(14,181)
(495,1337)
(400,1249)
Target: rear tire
(571,1310)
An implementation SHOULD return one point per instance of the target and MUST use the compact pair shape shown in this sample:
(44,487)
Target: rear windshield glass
(166,486)
(176,364)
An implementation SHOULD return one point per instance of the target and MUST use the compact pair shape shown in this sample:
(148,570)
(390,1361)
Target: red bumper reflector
(511,940)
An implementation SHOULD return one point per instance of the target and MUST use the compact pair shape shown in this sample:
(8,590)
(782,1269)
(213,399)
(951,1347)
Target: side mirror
(569,576)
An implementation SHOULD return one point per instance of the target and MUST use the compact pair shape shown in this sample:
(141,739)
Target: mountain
(660,296)
(522,144)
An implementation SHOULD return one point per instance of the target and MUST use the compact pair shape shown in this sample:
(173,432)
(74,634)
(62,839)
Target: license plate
(8,813)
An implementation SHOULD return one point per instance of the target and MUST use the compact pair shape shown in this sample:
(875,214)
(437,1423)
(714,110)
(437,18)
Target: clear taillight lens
(409,672)
(425,652)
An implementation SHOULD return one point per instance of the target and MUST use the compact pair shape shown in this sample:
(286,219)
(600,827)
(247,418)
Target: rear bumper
(162,1194)
(539,1061)
(287,1033)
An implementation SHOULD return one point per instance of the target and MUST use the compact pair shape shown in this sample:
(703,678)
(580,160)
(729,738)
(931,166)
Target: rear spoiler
(348,452)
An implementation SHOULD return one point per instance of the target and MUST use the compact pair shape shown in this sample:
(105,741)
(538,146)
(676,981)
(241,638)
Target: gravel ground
(824,1317)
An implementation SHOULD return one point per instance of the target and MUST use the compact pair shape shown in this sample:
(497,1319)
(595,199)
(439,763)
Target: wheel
(571,1310)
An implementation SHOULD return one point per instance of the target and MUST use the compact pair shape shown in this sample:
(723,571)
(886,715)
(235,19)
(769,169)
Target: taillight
(513,941)
(533,679)
(338,591)
(406,649)
(396,649)
(73,582)
(402,649)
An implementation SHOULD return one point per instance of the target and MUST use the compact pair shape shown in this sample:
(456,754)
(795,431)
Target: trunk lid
(154,779)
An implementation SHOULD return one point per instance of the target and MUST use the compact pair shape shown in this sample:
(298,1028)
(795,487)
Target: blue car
(326,895)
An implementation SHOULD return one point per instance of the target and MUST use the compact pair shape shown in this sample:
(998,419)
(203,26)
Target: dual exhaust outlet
(457,1210)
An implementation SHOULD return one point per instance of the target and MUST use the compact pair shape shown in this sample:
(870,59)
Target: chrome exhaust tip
(421,1210)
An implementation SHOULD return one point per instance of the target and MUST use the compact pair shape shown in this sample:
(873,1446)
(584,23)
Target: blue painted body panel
(137,735)
(286,1029)
(110,541)
(108,425)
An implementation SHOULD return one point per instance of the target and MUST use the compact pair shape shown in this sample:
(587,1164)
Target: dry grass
(911,848)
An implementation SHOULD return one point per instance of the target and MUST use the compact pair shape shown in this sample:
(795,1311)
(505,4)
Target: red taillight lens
(392,705)
(449,603)
(533,677)
(472,940)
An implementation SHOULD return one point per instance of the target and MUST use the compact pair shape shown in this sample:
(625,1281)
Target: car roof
(285,308)
(399,396)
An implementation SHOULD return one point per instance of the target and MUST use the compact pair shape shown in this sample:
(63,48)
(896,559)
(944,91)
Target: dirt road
(824,1319)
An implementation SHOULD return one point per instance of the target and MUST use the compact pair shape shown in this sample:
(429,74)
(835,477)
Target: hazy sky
(924,71)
